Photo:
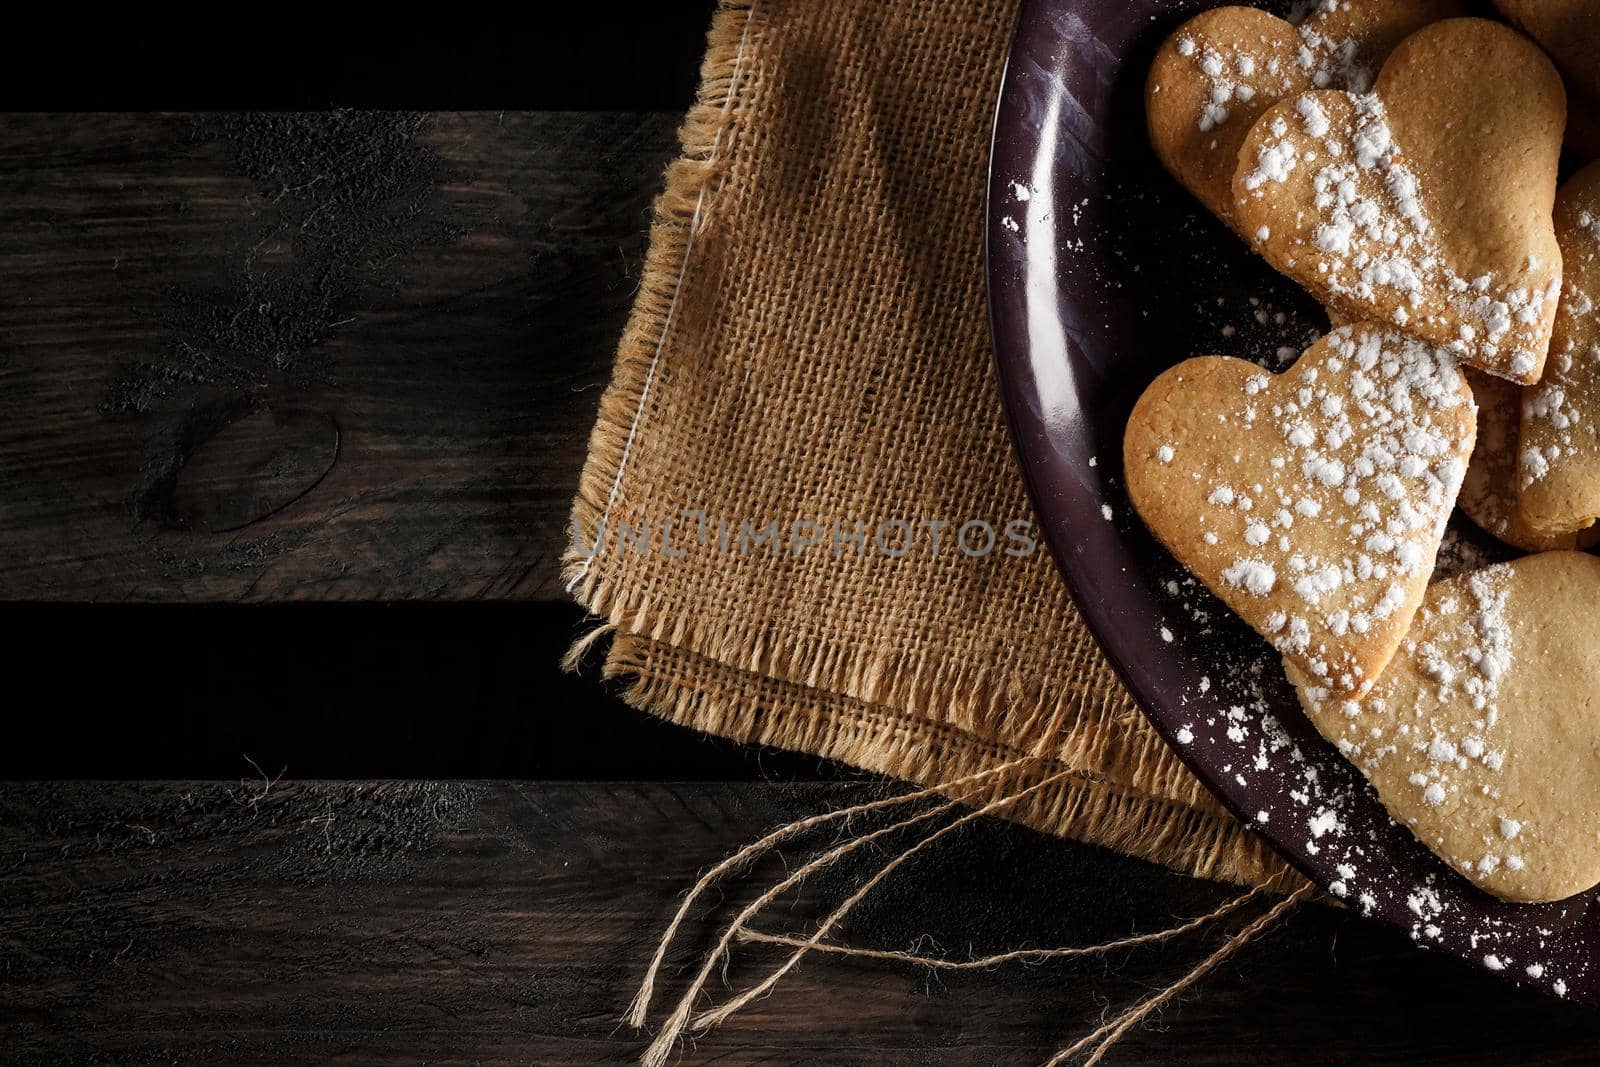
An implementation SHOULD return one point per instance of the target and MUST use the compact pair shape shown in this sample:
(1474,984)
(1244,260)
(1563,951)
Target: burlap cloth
(810,344)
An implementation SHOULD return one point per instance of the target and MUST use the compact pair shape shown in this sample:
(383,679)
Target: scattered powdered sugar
(1555,433)
(1239,71)
(1251,742)
(1370,446)
(1273,164)
(1470,668)
(1373,234)
(1335,62)
(1317,808)
(1252,575)
(1545,408)
(1458,555)
(1233,72)
(1315,118)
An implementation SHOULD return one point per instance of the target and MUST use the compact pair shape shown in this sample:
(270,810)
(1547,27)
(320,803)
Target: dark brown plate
(1102,272)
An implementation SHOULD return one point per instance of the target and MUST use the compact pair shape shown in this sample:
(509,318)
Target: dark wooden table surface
(291,410)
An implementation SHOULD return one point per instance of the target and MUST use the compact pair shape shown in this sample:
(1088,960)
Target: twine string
(1096,1044)
(1101,1040)
(660,1050)
(708,1019)
(638,1010)
(1025,955)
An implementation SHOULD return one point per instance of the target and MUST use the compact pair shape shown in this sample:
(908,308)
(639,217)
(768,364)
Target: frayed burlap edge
(973,698)
(952,714)
(691,182)
(1194,836)
(979,699)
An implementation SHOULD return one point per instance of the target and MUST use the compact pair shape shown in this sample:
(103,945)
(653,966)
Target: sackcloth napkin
(809,347)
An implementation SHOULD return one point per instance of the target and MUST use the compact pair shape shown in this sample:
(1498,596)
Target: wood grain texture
(325,356)
(502,923)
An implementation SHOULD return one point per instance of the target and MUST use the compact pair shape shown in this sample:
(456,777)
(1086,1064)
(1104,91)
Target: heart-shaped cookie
(1560,457)
(1490,490)
(1221,69)
(1483,735)
(1426,203)
(1312,502)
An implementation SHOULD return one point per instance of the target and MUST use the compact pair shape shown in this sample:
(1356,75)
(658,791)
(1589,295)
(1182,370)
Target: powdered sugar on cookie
(1367,241)
(1314,502)
(1220,70)
(1316,55)
(1559,457)
(1465,737)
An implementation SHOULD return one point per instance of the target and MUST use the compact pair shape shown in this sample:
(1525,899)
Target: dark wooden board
(507,923)
(191,311)
(328,356)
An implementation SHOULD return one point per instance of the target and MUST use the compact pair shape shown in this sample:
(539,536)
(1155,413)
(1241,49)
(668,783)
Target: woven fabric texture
(810,348)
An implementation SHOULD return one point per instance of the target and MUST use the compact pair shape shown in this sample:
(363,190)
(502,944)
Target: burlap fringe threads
(685,1020)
